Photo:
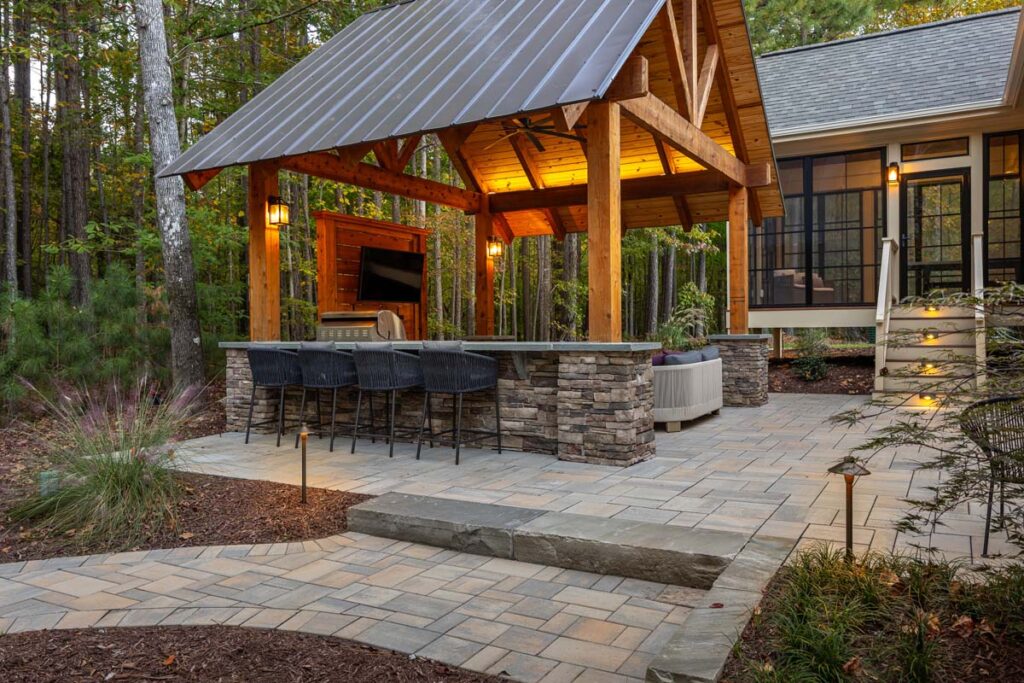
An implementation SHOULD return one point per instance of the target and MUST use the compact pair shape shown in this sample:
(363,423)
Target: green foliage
(680,332)
(781,24)
(52,341)
(811,349)
(690,297)
(881,617)
(114,464)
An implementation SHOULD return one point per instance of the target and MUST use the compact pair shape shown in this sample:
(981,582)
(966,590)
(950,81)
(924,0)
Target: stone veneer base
(744,368)
(581,404)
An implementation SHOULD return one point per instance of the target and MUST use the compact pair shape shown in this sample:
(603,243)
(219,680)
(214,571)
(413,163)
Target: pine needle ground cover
(884,618)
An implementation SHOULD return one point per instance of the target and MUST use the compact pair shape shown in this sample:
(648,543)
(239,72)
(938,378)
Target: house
(899,158)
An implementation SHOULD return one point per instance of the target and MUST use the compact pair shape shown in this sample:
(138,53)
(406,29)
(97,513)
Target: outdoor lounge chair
(996,425)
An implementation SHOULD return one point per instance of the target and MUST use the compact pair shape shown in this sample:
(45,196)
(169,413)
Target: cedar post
(604,222)
(264,257)
(739,265)
(484,273)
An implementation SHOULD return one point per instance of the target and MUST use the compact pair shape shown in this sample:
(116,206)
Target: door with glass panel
(935,239)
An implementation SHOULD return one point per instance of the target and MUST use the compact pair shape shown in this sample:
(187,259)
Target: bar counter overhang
(580,401)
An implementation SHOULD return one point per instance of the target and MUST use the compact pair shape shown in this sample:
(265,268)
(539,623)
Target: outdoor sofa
(687,385)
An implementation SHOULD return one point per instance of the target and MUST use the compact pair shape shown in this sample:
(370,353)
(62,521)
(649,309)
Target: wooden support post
(604,222)
(778,348)
(739,263)
(484,274)
(264,257)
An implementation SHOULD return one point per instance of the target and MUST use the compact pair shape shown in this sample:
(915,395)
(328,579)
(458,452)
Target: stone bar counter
(580,401)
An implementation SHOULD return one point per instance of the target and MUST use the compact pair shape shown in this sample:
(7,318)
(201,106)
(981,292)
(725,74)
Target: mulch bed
(212,511)
(210,653)
(847,374)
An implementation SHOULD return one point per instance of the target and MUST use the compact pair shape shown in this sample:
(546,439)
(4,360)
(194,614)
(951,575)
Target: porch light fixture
(927,397)
(927,365)
(892,174)
(495,247)
(277,212)
(930,336)
(931,308)
(851,470)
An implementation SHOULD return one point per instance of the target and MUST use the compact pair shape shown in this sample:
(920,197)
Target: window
(830,237)
(1003,261)
(936,149)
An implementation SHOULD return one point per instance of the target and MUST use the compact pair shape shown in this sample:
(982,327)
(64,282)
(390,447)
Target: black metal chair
(272,369)
(324,368)
(383,369)
(448,369)
(996,425)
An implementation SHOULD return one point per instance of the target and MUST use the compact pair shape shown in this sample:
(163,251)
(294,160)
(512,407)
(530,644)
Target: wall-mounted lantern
(277,212)
(495,247)
(851,470)
(892,174)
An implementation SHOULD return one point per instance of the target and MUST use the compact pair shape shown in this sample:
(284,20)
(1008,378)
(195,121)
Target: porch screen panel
(777,250)
(846,229)
(1003,214)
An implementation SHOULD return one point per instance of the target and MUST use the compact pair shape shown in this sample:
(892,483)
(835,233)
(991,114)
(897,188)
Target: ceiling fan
(532,129)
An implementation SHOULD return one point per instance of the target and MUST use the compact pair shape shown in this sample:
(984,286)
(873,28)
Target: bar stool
(448,369)
(323,367)
(381,368)
(272,369)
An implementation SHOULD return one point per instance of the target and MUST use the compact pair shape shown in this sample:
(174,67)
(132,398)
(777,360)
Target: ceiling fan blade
(534,139)
(508,133)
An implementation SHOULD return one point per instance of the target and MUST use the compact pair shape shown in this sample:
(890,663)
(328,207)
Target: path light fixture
(851,470)
(931,308)
(892,174)
(304,437)
(277,212)
(495,247)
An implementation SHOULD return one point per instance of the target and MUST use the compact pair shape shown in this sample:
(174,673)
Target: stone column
(744,368)
(605,404)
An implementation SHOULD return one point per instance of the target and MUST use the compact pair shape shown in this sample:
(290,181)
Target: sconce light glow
(277,212)
(495,247)
(892,174)
(930,336)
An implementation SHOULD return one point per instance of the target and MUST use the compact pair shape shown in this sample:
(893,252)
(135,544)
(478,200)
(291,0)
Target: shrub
(114,463)
(679,333)
(811,348)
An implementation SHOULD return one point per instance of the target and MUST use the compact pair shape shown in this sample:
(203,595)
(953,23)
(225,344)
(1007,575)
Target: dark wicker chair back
(447,369)
(996,425)
(325,368)
(381,368)
(275,367)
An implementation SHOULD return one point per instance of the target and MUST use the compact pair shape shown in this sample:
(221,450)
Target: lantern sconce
(892,174)
(495,247)
(277,212)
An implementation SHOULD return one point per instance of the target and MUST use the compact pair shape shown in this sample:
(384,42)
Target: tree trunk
(653,283)
(544,288)
(529,331)
(23,91)
(438,272)
(7,170)
(570,274)
(702,285)
(139,201)
(44,221)
(668,290)
(186,349)
(75,153)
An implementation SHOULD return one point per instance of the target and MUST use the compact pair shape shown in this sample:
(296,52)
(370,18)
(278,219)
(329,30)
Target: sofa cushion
(709,353)
(658,358)
(683,358)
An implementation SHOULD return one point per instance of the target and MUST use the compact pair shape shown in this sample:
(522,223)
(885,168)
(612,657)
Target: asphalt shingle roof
(907,72)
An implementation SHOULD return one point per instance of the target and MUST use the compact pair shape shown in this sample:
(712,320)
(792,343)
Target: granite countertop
(518,347)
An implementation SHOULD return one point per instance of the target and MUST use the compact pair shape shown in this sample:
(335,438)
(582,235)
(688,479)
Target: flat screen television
(389,275)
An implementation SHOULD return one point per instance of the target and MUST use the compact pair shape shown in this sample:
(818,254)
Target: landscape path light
(851,470)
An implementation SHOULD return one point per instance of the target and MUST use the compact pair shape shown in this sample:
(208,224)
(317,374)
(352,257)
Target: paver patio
(760,471)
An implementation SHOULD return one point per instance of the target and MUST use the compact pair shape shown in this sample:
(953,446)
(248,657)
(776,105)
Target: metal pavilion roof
(427,65)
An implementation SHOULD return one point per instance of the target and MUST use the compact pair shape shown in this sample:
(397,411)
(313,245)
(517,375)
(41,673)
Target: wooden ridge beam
(666,124)
(697,182)
(338,169)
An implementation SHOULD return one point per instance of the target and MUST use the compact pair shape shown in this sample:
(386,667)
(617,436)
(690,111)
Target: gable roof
(928,69)
(425,65)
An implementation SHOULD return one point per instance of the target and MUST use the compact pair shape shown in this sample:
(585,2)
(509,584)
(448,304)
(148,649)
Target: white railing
(888,293)
(978,289)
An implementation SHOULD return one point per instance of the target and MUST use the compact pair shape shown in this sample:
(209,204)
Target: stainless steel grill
(354,326)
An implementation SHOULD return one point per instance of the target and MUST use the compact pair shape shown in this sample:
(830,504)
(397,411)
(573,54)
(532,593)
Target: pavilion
(560,116)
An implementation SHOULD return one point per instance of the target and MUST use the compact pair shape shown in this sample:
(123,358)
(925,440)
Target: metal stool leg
(355,428)
(320,418)
(280,417)
(373,421)
(458,426)
(988,513)
(497,415)
(334,412)
(391,426)
(423,419)
(302,415)
(252,404)
(430,419)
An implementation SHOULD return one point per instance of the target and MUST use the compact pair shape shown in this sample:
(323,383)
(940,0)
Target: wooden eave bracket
(196,180)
